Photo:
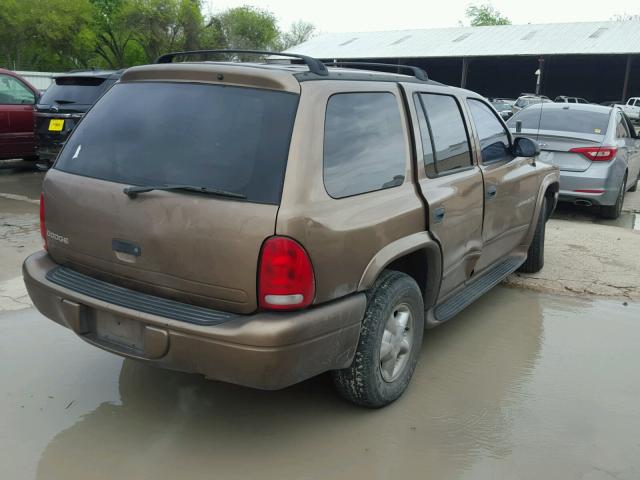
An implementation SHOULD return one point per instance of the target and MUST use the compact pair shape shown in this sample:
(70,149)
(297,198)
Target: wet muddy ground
(522,385)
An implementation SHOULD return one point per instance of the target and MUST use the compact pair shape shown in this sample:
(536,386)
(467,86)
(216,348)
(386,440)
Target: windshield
(78,90)
(562,119)
(220,137)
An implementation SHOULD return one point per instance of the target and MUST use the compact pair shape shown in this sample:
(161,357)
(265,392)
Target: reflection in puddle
(520,385)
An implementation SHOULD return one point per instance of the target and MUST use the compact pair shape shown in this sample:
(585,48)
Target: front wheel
(389,344)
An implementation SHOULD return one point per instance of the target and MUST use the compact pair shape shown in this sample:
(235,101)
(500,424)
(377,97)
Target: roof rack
(417,72)
(315,66)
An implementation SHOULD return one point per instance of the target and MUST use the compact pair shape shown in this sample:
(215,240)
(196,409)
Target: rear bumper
(48,147)
(266,350)
(48,153)
(604,176)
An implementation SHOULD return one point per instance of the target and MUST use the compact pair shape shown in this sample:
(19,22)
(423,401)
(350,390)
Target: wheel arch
(549,190)
(417,255)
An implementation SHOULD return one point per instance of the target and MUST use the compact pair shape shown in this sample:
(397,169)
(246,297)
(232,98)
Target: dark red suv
(17,100)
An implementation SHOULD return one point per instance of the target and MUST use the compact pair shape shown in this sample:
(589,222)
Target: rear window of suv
(214,136)
(562,119)
(78,90)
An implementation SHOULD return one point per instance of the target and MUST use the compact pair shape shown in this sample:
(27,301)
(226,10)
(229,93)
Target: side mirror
(525,147)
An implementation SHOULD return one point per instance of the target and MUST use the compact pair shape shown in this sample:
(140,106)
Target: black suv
(64,103)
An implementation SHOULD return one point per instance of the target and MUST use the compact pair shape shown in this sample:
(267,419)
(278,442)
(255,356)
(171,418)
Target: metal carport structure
(595,60)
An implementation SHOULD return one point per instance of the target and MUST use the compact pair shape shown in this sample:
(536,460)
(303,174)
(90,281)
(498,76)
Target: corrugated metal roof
(543,39)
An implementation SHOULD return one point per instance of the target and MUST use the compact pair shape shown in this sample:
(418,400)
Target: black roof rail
(417,72)
(315,66)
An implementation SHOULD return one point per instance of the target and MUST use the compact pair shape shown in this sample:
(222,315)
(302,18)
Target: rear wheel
(613,211)
(389,344)
(535,254)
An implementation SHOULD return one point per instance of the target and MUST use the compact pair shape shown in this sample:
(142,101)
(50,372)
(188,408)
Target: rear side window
(621,127)
(562,119)
(78,90)
(494,139)
(364,144)
(443,131)
(230,138)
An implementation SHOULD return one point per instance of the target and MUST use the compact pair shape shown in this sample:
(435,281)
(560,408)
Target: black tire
(612,212)
(535,254)
(363,382)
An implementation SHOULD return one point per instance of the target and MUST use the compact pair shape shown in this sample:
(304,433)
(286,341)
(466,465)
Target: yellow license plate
(56,125)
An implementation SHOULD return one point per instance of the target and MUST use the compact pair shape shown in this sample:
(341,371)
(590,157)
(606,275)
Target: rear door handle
(438,214)
(492,190)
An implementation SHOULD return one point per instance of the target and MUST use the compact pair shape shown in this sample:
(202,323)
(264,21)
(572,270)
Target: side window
(447,135)
(494,139)
(425,137)
(364,144)
(13,92)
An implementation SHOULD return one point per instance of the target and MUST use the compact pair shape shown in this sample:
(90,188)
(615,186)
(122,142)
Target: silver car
(527,99)
(595,147)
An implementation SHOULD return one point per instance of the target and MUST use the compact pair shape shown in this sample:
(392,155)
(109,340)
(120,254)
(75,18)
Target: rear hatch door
(197,248)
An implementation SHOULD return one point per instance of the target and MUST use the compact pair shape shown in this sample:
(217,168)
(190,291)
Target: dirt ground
(588,256)
(523,385)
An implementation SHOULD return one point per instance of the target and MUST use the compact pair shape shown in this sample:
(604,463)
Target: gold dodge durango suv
(262,223)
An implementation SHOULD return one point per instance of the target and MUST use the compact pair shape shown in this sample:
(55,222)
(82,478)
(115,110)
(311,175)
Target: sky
(359,15)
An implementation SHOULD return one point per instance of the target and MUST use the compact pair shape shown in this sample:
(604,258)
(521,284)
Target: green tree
(485,14)
(34,35)
(114,44)
(191,22)
(160,26)
(248,28)
(299,32)
(59,35)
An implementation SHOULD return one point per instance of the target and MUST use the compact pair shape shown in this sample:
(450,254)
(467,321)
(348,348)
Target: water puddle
(520,385)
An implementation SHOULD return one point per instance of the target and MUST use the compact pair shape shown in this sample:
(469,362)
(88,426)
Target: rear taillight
(285,277)
(43,228)
(596,154)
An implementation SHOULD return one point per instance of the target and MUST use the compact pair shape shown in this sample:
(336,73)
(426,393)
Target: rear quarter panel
(341,235)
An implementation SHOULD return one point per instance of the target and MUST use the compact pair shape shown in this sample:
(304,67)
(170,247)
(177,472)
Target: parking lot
(538,376)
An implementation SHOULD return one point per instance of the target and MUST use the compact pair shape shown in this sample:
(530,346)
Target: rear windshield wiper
(132,192)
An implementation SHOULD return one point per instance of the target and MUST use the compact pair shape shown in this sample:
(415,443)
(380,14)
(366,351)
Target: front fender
(549,179)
